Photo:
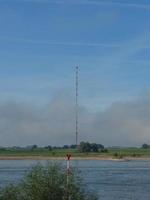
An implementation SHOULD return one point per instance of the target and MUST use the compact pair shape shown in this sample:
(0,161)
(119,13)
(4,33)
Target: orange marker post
(68,167)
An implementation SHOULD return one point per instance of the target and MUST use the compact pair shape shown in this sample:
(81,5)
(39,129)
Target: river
(112,180)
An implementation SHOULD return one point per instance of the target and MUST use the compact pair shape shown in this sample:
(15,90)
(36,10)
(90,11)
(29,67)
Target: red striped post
(68,173)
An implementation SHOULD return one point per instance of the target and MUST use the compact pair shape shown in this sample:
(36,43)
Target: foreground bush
(46,183)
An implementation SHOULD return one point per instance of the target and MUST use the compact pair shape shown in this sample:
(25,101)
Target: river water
(112,180)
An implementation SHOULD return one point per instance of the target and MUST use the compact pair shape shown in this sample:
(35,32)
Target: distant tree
(48,147)
(3,149)
(94,147)
(73,146)
(85,147)
(145,146)
(104,150)
(65,147)
(90,147)
(34,147)
(100,146)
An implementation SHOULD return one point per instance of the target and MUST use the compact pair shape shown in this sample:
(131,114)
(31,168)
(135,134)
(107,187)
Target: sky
(41,42)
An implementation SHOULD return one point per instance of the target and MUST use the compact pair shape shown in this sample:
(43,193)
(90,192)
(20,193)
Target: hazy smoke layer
(121,124)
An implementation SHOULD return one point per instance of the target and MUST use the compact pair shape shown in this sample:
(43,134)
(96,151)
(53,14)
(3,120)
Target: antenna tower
(77,87)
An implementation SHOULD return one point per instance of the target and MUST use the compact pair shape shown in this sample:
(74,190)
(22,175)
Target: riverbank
(73,158)
(116,154)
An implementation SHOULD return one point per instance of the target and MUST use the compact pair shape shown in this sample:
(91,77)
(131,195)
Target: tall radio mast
(77,87)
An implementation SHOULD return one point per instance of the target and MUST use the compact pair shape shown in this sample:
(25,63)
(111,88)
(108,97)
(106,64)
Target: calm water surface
(112,180)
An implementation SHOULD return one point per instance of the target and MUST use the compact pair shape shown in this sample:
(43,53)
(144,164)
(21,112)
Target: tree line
(145,146)
(91,147)
(83,147)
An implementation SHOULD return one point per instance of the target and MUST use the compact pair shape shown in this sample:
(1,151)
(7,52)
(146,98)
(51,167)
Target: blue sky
(41,42)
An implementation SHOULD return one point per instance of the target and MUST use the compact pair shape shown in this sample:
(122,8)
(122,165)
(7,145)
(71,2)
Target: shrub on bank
(46,183)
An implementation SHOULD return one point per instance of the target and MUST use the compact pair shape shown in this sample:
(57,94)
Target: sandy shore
(73,158)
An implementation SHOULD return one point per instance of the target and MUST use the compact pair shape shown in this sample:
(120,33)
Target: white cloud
(88,2)
(121,124)
(131,46)
(91,2)
(47,42)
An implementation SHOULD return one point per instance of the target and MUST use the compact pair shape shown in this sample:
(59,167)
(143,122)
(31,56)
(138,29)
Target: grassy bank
(111,153)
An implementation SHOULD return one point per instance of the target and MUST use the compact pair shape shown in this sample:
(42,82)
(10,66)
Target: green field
(112,152)
(131,152)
